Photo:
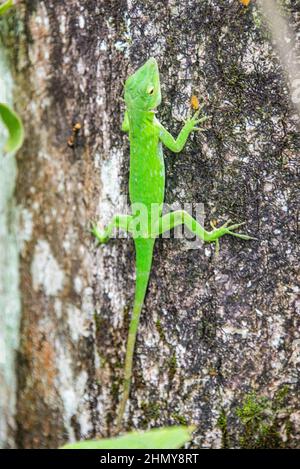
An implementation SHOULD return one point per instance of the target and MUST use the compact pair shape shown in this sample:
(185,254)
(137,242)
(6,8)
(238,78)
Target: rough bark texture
(219,338)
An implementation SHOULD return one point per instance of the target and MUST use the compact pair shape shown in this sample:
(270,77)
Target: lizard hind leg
(118,221)
(179,217)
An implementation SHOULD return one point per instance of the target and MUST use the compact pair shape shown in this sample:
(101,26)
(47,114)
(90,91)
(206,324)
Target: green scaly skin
(5,6)
(147,186)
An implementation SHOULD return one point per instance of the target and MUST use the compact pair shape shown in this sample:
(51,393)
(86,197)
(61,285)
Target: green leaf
(5,6)
(158,438)
(14,126)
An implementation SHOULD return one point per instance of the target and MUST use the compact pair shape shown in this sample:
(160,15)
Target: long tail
(143,253)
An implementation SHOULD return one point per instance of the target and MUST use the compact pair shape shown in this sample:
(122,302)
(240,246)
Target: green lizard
(146,187)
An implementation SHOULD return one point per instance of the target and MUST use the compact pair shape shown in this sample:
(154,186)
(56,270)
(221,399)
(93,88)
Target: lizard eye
(150,90)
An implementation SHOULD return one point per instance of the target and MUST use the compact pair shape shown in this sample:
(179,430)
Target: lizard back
(147,169)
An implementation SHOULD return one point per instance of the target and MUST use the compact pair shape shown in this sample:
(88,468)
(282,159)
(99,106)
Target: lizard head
(142,89)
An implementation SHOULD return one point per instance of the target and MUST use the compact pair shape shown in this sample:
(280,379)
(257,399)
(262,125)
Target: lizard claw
(97,233)
(203,119)
(235,226)
(195,122)
(241,236)
(238,235)
(217,233)
(226,223)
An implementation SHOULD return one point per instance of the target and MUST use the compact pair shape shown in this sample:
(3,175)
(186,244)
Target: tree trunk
(219,343)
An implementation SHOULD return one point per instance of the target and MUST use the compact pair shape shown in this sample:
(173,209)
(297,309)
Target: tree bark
(219,341)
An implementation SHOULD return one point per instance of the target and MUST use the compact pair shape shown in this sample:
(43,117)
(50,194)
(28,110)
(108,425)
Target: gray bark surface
(219,341)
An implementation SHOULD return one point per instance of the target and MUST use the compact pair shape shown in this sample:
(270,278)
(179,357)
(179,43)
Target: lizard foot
(101,238)
(225,229)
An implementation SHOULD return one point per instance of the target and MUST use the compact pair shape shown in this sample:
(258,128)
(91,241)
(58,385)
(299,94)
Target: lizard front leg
(176,145)
(118,221)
